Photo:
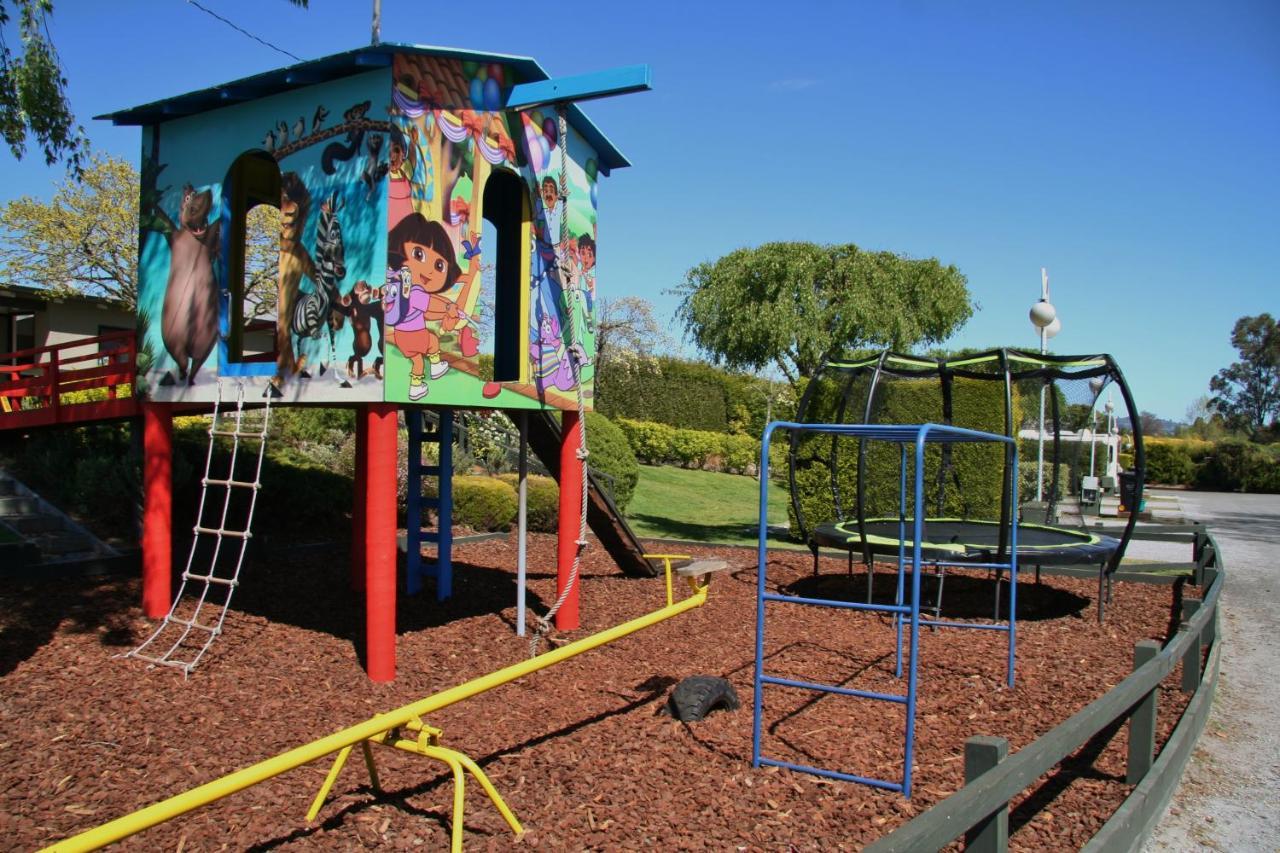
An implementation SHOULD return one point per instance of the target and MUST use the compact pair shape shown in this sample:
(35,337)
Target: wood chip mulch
(580,751)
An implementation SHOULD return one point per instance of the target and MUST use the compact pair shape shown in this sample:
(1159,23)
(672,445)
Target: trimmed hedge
(973,488)
(483,503)
(611,454)
(690,395)
(661,444)
(1241,466)
(543,500)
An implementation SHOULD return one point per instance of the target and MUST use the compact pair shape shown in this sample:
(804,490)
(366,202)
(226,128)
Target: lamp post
(1044,317)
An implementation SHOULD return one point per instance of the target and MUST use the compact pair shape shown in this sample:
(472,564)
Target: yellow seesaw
(386,729)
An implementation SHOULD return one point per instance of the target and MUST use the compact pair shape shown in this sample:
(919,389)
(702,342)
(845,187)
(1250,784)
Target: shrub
(611,454)
(740,453)
(1169,463)
(542,500)
(1242,466)
(649,441)
(692,448)
(483,503)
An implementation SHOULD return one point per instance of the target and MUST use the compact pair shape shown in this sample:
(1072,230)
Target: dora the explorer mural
(438,299)
(383,277)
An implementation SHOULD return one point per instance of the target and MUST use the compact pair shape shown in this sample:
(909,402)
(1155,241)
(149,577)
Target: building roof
(24,298)
(346,64)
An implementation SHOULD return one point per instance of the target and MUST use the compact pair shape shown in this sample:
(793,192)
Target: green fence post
(991,834)
(1191,657)
(1142,720)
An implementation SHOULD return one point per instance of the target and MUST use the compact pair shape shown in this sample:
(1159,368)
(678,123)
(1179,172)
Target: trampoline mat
(970,540)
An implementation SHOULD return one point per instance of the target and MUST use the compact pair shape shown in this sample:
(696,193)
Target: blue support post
(441,568)
(413,505)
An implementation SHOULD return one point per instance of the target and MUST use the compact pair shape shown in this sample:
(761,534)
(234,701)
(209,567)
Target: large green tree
(85,240)
(796,305)
(1247,392)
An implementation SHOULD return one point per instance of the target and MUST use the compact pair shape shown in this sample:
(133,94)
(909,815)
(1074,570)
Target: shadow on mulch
(34,612)
(965,596)
(649,691)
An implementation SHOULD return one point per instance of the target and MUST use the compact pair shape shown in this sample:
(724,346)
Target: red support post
(380,541)
(360,495)
(571,474)
(157,512)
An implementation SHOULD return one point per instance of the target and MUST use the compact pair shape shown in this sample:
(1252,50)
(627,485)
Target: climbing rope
(577,359)
(186,625)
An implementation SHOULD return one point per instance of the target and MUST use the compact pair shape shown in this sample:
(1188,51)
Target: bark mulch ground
(579,751)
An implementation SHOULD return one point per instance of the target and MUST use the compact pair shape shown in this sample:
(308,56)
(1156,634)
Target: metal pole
(377,21)
(522,523)
(1040,454)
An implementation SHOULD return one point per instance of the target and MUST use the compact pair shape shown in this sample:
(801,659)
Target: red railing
(61,383)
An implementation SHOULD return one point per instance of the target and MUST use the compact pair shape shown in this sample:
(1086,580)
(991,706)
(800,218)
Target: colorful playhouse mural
(424,243)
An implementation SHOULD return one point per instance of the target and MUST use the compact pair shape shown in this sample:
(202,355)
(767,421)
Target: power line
(243,31)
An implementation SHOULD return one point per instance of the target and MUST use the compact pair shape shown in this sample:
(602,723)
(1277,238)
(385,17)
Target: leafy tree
(1248,392)
(1152,425)
(33,96)
(626,325)
(796,305)
(86,239)
(33,92)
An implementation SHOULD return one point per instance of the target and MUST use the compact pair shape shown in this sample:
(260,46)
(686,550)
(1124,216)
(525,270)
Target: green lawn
(701,506)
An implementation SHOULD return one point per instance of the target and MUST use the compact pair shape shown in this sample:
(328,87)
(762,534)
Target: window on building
(251,219)
(507,214)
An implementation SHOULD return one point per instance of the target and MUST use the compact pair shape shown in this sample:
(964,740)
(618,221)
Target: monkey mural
(189,322)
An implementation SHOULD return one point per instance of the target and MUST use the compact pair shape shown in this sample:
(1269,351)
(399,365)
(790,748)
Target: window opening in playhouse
(251,213)
(507,215)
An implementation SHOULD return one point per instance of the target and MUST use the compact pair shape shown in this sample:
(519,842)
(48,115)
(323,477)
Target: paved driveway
(1229,799)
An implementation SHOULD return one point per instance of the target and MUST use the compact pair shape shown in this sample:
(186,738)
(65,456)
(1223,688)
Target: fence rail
(40,386)
(980,810)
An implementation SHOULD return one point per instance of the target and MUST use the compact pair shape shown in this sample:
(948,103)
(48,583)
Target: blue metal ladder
(421,431)
(906,606)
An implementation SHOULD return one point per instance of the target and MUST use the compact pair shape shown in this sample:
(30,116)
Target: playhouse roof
(345,64)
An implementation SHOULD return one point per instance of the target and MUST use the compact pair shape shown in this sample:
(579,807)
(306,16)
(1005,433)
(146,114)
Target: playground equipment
(182,638)
(911,551)
(839,493)
(386,729)
(438,238)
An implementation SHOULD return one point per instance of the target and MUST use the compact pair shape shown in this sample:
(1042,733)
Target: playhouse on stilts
(437,245)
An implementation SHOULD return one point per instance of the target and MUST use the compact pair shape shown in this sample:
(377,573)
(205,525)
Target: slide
(603,517)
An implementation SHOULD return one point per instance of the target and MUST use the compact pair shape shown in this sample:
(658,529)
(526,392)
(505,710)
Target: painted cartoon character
(189,323)
(551,367)
(295,262)
(403,158)
(423,267)
(361,307)
(587,269)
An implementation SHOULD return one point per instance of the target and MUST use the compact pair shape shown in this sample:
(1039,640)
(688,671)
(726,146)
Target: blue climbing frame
(917,435)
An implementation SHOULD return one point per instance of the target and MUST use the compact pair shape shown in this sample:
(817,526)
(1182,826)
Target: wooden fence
(86,379)
(980,810)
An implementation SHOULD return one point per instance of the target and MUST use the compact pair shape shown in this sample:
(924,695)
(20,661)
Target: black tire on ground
(699,695)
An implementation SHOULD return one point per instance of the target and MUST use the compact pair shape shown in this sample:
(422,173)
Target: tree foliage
(1247,393)
(33,96)
(625,326)
(86,239)
(33,92)
(795,305)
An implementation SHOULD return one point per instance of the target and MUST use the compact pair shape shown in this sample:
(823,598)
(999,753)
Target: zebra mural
(318,309)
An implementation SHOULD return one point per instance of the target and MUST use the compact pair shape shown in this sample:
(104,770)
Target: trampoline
(964,540)
(844,489)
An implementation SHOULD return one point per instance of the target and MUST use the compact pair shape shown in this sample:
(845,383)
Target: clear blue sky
(1131,148)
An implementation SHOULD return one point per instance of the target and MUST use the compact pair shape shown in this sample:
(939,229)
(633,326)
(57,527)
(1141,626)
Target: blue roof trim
(345,64)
